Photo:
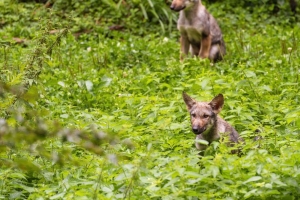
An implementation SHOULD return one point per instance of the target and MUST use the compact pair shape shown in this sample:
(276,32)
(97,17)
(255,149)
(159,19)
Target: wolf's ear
(217,103)
(188,100)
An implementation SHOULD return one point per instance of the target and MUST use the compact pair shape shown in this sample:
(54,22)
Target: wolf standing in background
(206,123)
(200,32)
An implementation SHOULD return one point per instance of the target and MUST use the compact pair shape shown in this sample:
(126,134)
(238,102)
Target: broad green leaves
(105,119)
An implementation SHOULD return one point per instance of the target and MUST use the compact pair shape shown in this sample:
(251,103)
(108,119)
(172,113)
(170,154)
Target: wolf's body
(200,32)
(206,123)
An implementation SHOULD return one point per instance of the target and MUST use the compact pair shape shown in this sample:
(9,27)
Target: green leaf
(204,142)
(215,171)
(253,179)
(58,196)
(250,74)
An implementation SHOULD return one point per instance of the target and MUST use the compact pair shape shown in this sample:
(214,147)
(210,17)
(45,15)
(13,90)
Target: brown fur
(206,123)
(200,32)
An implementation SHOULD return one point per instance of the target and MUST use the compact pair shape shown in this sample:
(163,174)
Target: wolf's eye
(193,115)
(206,116)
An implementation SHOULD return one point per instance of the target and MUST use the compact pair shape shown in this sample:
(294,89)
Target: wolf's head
(178,5)
(203,114)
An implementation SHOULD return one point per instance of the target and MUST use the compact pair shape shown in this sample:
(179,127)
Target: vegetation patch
(91,104)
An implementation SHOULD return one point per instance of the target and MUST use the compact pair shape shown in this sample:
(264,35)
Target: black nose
(195,130)
(172,7)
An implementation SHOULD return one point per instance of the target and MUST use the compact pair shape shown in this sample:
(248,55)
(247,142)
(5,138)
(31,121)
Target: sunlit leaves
(105,118)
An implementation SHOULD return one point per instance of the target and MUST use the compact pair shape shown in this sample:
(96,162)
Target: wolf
(206,123)
(199,31)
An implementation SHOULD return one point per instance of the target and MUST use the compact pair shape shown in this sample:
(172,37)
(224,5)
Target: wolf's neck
(192,10)
(212,134)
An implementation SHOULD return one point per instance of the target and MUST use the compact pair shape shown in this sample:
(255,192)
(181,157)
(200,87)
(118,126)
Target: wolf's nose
(172,7)
(195,130)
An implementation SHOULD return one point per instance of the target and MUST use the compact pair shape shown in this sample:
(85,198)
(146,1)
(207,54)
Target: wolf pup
(206,123)
(200,32)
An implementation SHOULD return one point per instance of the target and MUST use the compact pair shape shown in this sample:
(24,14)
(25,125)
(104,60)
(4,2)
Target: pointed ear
(188,100)
(217,103)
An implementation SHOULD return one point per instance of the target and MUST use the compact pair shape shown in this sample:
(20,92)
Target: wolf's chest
(193,33)
(192,27)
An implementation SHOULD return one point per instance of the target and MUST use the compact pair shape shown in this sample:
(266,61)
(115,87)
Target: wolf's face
(203,114)
(178,5)
(202,118)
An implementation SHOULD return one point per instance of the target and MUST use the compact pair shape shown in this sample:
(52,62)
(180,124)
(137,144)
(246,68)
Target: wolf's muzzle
(177,9)
(198,131)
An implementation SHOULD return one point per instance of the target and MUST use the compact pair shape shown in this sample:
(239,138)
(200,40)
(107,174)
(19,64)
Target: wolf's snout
(195,130)
(176,7)
(198,130)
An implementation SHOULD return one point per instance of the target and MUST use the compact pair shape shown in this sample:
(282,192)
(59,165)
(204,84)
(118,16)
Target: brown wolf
(200,32)
(206,123)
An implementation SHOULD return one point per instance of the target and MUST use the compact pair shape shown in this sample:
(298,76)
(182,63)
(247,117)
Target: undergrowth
(93,114)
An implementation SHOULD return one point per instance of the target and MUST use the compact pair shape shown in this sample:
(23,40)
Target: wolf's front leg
(185,45)
(205,46)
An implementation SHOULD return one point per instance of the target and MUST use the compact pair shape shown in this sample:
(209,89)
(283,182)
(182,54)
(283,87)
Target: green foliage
(120,13)
(100,115)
